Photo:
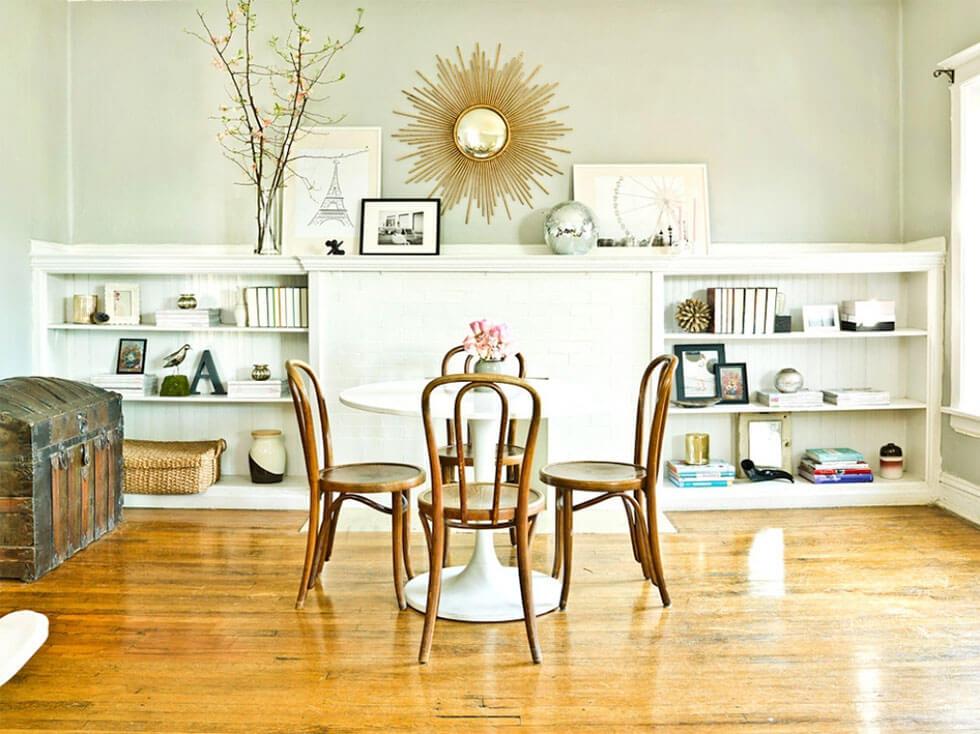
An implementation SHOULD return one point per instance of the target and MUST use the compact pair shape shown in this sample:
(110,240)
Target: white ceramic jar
(267,457)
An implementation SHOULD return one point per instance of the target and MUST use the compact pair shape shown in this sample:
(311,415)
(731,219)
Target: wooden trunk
(60,471)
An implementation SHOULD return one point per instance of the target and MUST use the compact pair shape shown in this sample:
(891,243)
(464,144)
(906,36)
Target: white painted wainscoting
(596,320)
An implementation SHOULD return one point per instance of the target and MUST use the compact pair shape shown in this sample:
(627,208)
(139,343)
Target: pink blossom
(489,340)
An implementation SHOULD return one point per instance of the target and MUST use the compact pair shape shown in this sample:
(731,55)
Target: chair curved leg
(407,534)
(653,543)
(566,579)
(323,539)
(638,537)
(559,532)
(435,588)
(527,588)
(513,535)
(312,534)
(397,549)
(445,546)
(333,527)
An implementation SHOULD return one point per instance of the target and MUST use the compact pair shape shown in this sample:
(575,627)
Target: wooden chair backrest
(298,374)
(663,367)
(492,383)
(468,367)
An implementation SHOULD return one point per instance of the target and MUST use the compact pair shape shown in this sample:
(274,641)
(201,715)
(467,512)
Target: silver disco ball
(570,229)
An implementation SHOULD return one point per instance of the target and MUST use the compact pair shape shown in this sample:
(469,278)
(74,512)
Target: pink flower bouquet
(489,341)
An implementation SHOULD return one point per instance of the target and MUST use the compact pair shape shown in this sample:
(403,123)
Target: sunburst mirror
(482,131)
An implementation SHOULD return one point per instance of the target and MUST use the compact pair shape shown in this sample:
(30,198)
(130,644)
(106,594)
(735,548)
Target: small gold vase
(696,447)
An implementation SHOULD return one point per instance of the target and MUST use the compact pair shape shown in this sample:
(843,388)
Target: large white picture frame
(334,170)
(635,204)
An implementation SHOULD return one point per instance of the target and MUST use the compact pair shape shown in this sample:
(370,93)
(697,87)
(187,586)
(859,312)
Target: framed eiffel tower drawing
(335,169)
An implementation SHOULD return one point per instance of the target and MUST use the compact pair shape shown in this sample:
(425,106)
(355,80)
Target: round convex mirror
(481,133)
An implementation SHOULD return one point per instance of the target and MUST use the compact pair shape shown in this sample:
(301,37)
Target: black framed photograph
(732,382)
(400,226)
(696,370)
(131,358)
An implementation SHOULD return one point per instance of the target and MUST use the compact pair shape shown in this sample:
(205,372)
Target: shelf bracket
(949,73)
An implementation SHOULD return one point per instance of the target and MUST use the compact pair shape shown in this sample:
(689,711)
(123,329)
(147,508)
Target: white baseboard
(959,496)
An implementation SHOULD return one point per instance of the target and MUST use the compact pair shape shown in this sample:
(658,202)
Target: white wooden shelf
(895,404)
(793,336)
(204,399)
(745,495)
(166,329)
(233,492)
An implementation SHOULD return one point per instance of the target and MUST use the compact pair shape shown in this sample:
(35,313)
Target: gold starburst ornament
(482,131)
(693,315)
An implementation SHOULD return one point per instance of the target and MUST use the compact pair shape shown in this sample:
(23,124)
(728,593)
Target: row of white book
(129,386)
(853,397)
(743,310)
(277,307)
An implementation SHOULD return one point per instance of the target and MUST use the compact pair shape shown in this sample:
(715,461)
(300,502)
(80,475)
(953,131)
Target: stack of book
(867,316)
(856,397)
(254,390)
(277,307)
(188,318)
(798,399)
(129,386)
(835,466)
(715,474)
(743,310)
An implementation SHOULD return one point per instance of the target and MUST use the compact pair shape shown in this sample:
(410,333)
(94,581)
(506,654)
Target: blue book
(824,455)
(838,478)
(689,483)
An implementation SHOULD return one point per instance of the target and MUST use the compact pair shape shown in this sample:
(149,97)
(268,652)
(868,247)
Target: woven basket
(171,467)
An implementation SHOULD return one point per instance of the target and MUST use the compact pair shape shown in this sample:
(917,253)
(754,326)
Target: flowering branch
(268,101)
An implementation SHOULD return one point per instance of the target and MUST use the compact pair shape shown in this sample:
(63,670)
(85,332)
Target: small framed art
(131,357)
(400,227)
(696,364)
(732,383)
(121,303)
(821,319)
(766,439)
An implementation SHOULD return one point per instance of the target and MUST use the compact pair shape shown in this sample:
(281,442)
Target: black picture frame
(126,351)
(368,241)
(727,395)
(688,360)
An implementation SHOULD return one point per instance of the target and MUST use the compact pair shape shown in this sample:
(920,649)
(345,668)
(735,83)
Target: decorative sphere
(788,380)
(570,229)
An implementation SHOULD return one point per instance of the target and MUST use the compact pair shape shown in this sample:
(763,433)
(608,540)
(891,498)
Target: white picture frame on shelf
(766,439)
(821,319)
(636,203)
(335,168)
(121,303)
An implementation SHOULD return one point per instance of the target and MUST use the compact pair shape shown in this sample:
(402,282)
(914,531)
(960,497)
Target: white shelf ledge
(204,399)
(793,336)
(154,327)
(744,495)
(233,492)
(895,404)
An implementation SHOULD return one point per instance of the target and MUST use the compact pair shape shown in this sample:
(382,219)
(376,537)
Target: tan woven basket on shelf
(171,467)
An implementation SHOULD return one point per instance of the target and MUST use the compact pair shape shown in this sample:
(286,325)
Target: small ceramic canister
(267,457)
(891,461)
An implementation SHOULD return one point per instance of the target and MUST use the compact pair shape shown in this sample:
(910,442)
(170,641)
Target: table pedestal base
(483,590)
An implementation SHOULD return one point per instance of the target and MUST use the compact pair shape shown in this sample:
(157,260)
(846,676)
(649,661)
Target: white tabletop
(404,397)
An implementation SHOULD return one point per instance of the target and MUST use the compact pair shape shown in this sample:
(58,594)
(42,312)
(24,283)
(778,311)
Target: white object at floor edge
(21,635)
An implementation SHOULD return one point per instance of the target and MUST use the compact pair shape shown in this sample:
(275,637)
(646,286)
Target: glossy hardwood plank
(794,621)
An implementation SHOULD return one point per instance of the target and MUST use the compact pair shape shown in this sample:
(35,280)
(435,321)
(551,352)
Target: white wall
(33,157)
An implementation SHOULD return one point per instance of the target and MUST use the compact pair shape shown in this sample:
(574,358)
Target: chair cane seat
(371,477)
(512,455)
(595,476)
(479,501)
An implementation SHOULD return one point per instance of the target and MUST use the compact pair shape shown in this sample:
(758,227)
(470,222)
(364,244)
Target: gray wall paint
(933,31)
(793,104)
(33,158)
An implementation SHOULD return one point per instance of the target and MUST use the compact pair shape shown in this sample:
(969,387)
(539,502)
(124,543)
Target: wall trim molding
(959,496)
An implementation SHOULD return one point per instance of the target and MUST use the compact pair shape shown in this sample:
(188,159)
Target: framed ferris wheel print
(658,205)
(334,170)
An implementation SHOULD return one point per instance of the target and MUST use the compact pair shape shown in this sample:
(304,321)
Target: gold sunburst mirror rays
(482,131)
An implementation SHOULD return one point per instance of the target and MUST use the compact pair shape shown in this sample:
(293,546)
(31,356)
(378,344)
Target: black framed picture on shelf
(400,226)
(696,364)
(131,357)
(732,383)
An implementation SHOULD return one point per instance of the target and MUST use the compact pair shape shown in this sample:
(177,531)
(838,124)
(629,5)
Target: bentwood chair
(513,453)
(472,505)
(333,484)
(634,484)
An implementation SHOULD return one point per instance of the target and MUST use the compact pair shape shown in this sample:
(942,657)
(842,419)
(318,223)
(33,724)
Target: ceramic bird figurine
(173,360)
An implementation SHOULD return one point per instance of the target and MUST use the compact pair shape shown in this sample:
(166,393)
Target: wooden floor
(793,621)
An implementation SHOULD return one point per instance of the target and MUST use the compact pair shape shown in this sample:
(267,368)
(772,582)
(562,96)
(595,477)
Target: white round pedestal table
(483,590)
